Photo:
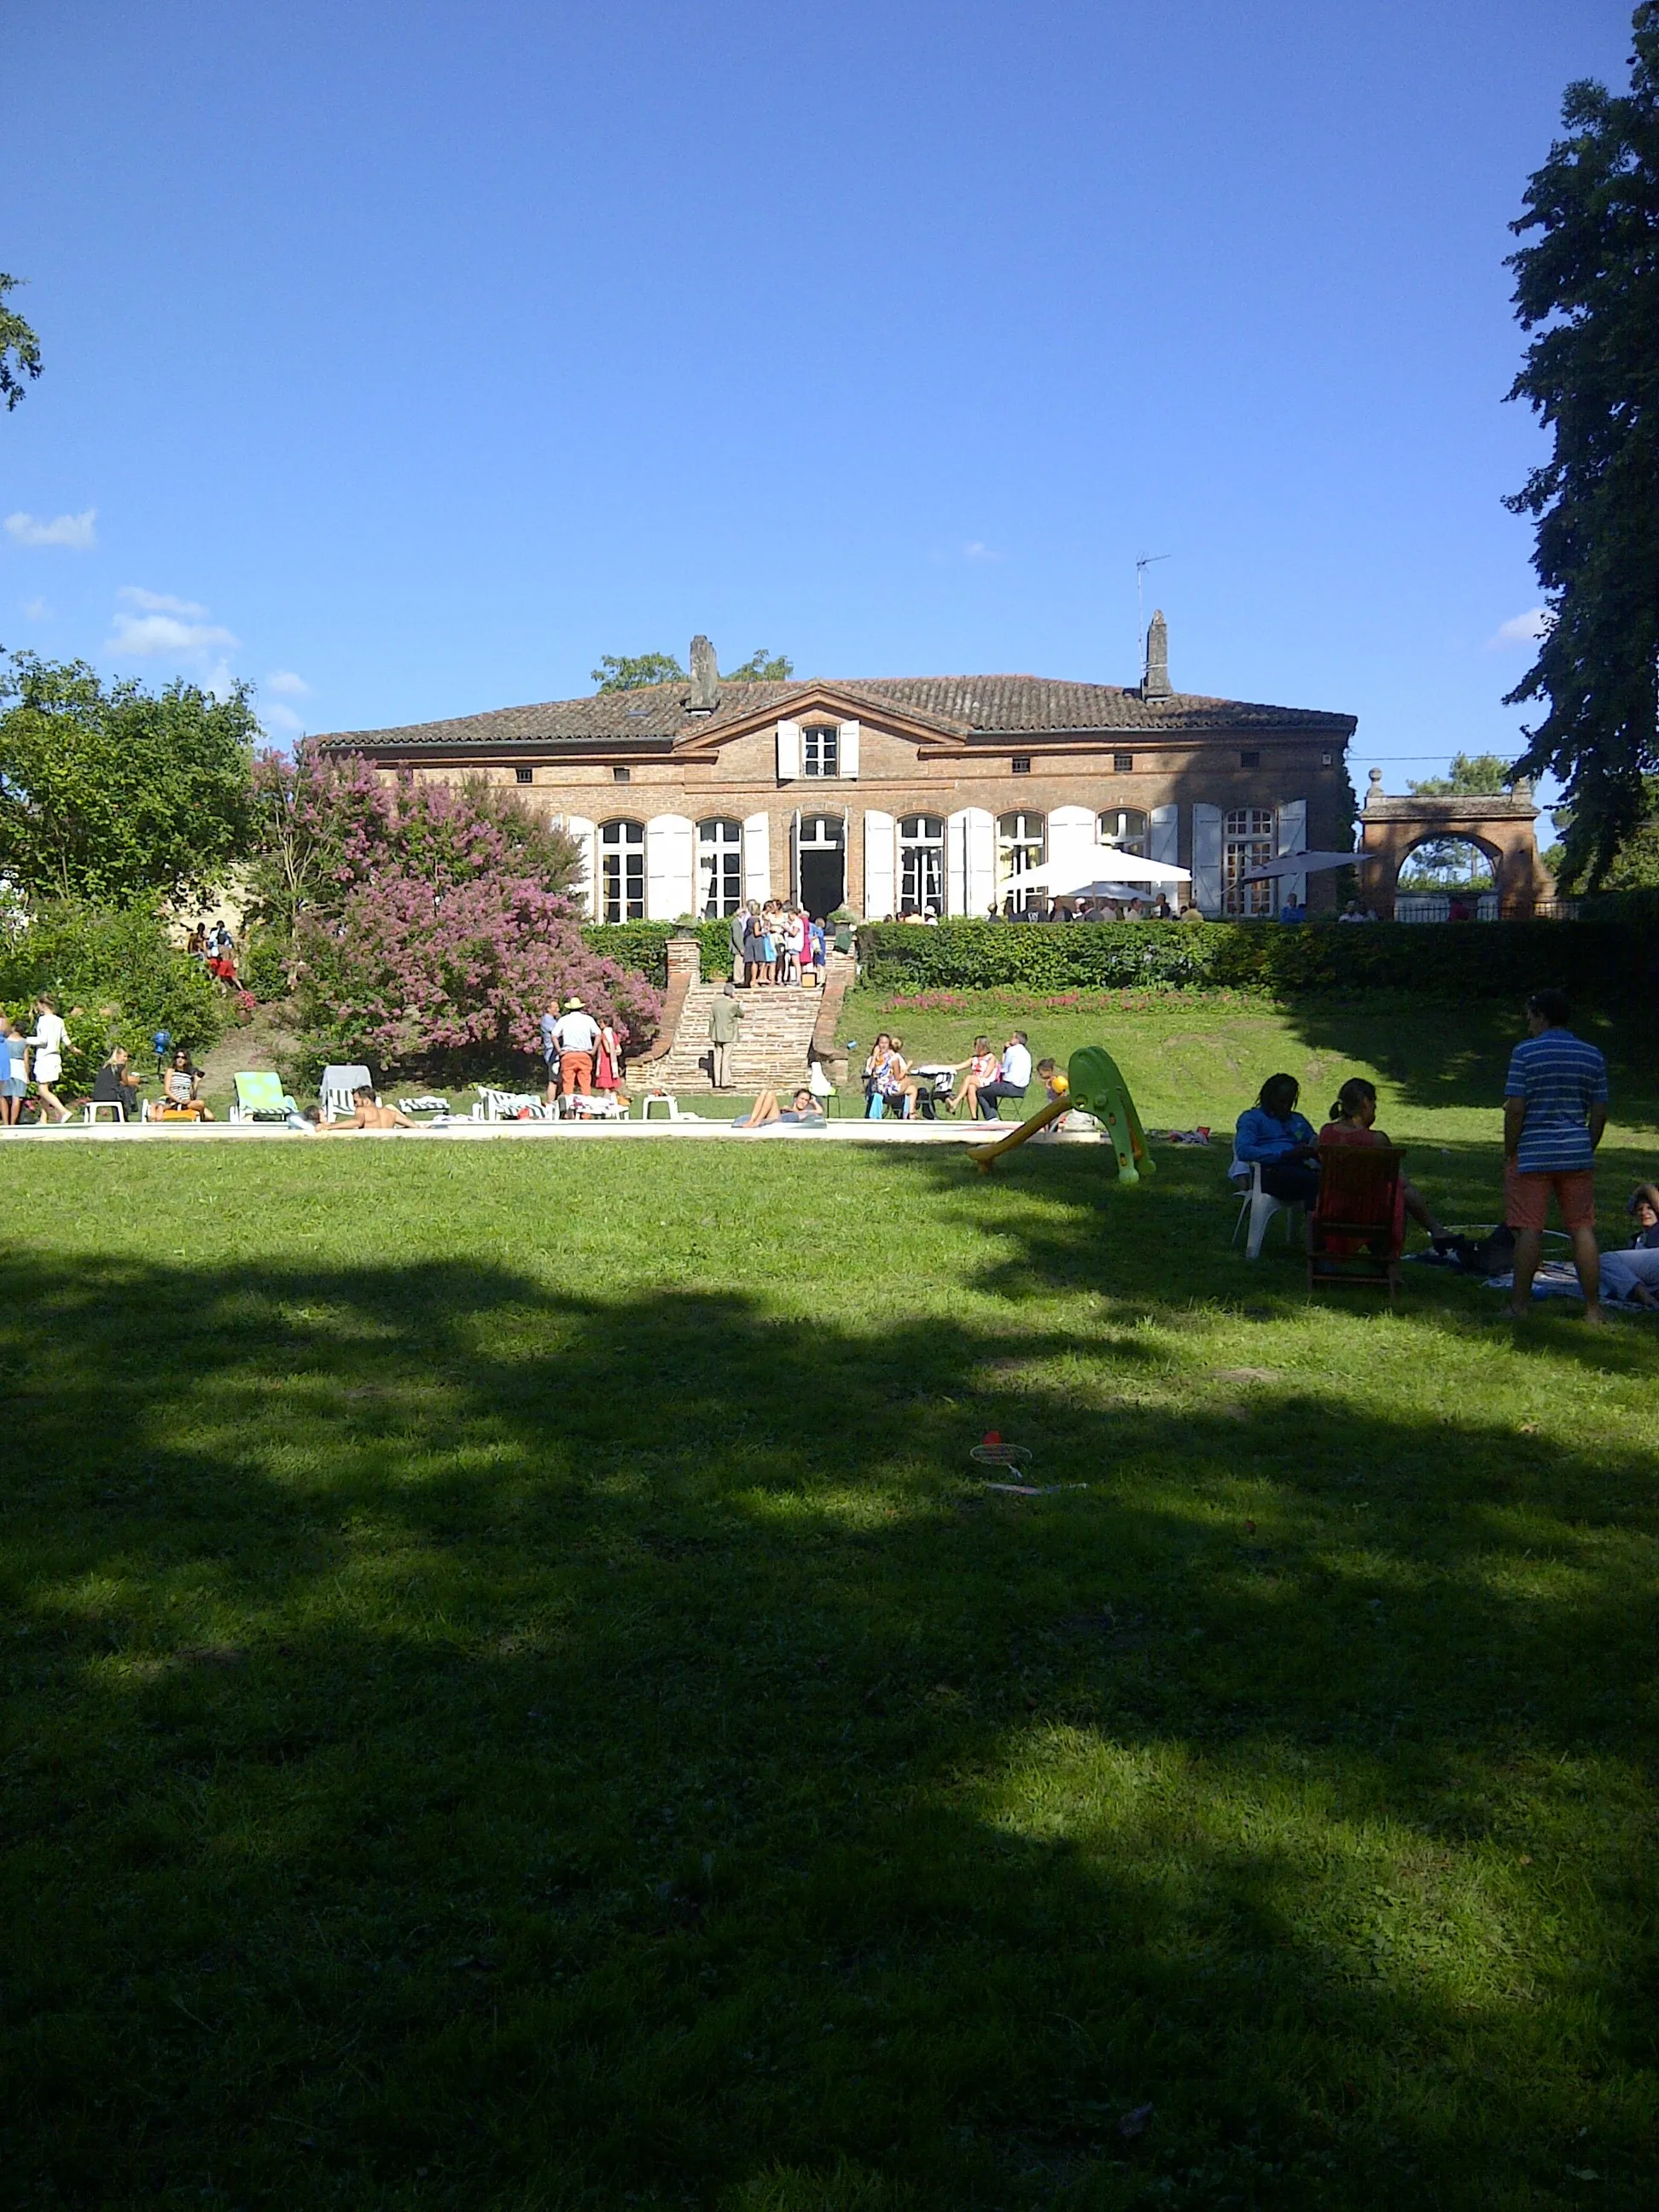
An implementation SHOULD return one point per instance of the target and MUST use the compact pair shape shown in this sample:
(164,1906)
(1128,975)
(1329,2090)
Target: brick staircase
(771,1053)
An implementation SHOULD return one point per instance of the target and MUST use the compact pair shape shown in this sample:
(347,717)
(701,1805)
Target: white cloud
(155,625)
(974,550)
(37,609)
(1523,629)
(153,634)
(74,530)
(158,602)
(282,718)
(287,685)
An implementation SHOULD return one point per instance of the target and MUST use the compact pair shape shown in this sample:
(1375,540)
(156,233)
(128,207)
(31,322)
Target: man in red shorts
(1555,1108)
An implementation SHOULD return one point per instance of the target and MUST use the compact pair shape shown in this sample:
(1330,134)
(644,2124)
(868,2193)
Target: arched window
(1124,827)
(922,863)
(1246,844)
(622,872)
(719,867)
(1022,843)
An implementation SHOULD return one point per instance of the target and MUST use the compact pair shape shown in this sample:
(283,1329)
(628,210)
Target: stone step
(773,1045)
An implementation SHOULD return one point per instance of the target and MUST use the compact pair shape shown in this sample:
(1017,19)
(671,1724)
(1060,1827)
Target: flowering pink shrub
(431,937)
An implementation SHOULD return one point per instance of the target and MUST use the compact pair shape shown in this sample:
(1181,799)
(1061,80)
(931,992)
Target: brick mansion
(893,794)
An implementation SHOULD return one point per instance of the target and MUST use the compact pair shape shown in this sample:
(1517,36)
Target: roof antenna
(1143,562)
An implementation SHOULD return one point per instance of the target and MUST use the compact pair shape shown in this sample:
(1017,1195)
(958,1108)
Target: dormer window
(820,749)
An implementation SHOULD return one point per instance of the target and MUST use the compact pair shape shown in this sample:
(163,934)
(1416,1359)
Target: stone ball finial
(1375,789)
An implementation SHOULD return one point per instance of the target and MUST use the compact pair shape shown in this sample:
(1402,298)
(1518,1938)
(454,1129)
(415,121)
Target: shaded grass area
(1192,1056)
(519,1695)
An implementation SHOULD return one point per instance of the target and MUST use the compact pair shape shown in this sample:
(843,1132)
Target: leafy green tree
(1479,774)
(633,671)
(1589,285)
(761,667)
(113,793)
(20,349)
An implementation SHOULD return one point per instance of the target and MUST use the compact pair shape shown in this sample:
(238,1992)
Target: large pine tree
(1588,283)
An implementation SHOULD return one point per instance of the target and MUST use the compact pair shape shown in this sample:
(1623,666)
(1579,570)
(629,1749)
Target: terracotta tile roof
(980,708)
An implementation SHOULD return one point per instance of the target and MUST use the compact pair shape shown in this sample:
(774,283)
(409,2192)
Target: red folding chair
(1356,1230)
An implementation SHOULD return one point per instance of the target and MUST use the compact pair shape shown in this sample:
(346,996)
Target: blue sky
(403,359)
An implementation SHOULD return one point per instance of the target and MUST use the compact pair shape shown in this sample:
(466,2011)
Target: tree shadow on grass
(481,1745)
(1056,1218)
(1440,1056)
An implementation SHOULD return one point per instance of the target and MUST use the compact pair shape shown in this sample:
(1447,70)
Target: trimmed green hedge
(1480,960)
(643,946)
(1638,909)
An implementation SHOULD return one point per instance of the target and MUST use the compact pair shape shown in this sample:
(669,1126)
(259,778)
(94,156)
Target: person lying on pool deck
(803,1112)
(1273,1132)
(368,1116)
(1353,1122)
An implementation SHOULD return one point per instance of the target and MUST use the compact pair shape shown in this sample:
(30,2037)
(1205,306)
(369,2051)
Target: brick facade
(1203,772)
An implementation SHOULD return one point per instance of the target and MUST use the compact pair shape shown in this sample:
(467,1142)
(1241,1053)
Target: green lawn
(519,1697)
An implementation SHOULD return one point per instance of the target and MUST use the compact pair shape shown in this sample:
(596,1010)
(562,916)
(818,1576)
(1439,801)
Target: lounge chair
(1354,1232)
(260,1097)
(337,1092)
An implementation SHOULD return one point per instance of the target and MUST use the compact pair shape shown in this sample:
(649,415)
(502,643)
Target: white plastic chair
(1258,1207)
(94,1107)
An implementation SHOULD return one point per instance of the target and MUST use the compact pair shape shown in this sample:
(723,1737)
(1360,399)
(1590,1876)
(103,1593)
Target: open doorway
(1447,879)
(822,855)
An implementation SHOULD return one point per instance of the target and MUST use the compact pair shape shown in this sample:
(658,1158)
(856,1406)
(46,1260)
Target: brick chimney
(1155,681)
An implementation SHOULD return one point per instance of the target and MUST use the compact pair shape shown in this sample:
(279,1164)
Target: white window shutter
(1292,838)
(584,833)
(757,857)
(1207,859)
(1164,825)
(880,839)
(956,862)
(789,752)
(1075,856)
(849,749)
(670,890)
(970,862)
(982,886)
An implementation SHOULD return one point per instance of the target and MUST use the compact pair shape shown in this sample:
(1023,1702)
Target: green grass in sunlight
(518,1695)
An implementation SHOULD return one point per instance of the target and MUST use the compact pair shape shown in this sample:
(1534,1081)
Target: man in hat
(577,1033)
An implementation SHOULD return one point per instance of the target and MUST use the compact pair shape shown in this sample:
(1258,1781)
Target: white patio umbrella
(1107,888)
(1061,877)
(1303,864)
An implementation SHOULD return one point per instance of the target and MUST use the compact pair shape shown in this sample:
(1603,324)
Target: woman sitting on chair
(181,1092)
(1353,1122)
(1274,1134)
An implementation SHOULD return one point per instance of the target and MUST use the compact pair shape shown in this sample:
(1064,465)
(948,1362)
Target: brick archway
(1503,827)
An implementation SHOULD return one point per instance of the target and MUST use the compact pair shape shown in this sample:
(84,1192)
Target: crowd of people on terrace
(774,944)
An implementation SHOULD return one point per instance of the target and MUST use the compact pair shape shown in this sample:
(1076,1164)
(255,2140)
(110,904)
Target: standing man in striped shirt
(1555,1108)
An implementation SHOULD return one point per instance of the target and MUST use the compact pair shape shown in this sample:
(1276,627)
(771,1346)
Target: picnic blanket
(1557,1278)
